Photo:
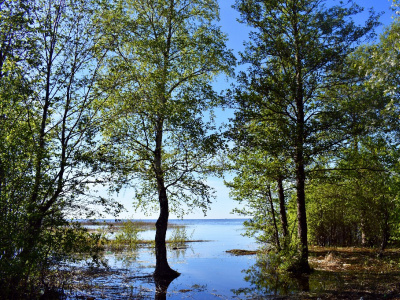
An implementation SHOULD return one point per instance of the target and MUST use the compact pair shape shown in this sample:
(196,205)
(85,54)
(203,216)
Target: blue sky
(238,33)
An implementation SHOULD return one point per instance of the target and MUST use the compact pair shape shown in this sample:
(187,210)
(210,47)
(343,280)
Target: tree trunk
(363,234)
(282,208)
(303,265)
(278,244)
(385,230)
(302,219)
(163,270)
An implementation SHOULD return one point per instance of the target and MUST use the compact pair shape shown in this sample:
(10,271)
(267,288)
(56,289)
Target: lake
(207,270)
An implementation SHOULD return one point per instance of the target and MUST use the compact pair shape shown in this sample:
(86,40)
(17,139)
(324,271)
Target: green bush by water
(127,235)
(179,237)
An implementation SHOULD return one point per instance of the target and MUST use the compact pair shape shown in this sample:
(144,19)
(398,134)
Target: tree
(259,185)
(48,127)
(358,202)
(381,65)
(296,54)
(165,55)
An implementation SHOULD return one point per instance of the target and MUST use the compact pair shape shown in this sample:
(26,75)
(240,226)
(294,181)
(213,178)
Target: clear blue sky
(238,33)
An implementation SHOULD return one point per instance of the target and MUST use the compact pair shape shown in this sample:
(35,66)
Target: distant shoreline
(152,221)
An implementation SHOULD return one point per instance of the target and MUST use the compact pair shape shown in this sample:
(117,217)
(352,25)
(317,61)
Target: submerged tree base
(165,274)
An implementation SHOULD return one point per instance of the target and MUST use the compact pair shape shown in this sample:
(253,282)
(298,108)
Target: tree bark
(282,210)
(303,265)
(302,219)
(385,230)
(278,244)
(163,270)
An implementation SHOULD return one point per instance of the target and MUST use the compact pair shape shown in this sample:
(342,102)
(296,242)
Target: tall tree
(48,125)
(367,210)
(166,54)
(296,54)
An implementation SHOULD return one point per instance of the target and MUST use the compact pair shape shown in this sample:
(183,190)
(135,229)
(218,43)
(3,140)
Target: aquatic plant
(179,237)
(128,235)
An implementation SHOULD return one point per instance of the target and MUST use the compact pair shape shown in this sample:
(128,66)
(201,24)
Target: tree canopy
(165,55)
(286,101)
(99,94)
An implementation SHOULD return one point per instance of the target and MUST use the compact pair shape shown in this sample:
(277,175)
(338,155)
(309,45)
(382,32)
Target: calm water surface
(207,271)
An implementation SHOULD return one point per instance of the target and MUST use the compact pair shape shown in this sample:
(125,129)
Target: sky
(223,205)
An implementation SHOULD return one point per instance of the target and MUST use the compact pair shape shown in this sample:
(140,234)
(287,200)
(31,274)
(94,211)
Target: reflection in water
(179,254)
(207,270)
(265,280)
(127,259)
(162,285)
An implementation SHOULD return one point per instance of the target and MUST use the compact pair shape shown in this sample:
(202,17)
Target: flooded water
(207,271)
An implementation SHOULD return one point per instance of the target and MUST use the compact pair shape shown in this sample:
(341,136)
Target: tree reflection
(162,285)
(127,258)
(180,253)
(267,280)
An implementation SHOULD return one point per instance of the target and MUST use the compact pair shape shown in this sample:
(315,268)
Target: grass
(127,236)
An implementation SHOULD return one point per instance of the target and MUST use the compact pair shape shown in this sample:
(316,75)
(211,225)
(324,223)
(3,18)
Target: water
(207,270)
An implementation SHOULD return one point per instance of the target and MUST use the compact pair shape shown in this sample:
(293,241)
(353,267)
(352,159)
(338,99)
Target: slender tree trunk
(282,211)
(302,218)
(303,265)
(363,234)
(163,270)
(277,242)
(385,230)
(300,185)
(35,212)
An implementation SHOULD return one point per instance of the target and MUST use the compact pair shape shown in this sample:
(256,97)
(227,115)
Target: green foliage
(57,246)
(358,203)
(288,107)
(127,235)
(179,237)
(158,77)
(355,200)
(256,189)
(47,132)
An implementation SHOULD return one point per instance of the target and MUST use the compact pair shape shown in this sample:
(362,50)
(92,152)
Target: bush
(179,237)
(128,235)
